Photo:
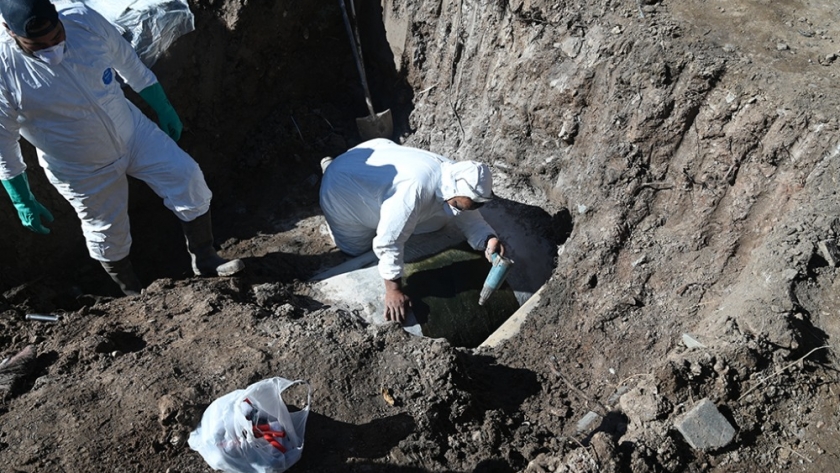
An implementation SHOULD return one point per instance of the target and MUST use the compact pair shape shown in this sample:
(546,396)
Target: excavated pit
(680,158)
(444,277)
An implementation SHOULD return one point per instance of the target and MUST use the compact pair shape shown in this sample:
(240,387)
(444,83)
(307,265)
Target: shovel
(375,125)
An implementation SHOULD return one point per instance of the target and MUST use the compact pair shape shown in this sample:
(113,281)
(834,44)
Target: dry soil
(682,156)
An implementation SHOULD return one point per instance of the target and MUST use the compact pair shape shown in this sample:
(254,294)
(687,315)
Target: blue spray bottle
(497,275)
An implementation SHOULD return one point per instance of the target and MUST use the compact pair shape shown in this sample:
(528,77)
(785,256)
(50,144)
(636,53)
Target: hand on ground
(396,305)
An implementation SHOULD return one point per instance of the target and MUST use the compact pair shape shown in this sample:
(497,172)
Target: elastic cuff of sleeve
(487,240)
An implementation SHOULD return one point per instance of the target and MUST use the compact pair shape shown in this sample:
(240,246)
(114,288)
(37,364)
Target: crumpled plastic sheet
(151,26)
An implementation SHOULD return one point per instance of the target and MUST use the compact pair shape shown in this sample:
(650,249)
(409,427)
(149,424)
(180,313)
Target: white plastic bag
(251,430)
(151,26)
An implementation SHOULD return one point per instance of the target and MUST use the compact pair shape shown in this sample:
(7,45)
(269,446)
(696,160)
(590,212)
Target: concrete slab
(357,286)
(513,324)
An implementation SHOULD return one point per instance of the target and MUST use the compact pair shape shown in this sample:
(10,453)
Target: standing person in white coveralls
(59,90)
(379,193)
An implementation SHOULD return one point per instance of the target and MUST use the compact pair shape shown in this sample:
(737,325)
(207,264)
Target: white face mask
(450,210)
(52,55)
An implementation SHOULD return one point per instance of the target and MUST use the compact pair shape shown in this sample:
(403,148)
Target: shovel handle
(356,44)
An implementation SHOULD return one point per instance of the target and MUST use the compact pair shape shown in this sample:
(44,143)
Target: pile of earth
(682,156)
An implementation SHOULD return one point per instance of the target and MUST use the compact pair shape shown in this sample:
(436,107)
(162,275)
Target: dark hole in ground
(120,341)
(445,289)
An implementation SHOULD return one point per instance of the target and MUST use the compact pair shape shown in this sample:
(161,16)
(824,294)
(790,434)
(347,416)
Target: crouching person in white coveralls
(379,193)
(59,90)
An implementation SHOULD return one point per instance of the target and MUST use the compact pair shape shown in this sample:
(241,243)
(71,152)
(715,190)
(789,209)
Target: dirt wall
(695,149)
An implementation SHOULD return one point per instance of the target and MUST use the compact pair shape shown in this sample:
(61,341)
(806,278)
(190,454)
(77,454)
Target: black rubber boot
(205,261)
(123,274)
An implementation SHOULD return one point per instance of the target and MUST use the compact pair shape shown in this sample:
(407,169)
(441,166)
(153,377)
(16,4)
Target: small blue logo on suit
(107,76)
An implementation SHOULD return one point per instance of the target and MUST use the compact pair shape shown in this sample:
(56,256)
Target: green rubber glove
(167,117)
(30,211)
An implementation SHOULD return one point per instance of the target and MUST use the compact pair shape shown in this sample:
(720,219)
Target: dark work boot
(205,261)
(123,274)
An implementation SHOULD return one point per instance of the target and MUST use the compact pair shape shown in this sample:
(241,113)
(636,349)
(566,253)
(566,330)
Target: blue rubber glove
(30,211)
(167,117)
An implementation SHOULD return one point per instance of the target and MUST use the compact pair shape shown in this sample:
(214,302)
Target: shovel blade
(380,125)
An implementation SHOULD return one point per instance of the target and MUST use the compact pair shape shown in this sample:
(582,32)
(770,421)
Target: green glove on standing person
(167,117)
(29,210)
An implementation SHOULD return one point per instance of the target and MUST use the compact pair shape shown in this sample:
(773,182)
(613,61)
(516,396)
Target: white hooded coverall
(88,135)
(380,193)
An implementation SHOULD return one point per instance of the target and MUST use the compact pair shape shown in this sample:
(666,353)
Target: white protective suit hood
(467,179)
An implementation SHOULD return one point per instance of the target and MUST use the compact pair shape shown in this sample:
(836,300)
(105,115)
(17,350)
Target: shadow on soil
(330,443)
(340,446)
(494,386)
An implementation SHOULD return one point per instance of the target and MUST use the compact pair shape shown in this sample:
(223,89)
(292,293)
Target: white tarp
(151,26)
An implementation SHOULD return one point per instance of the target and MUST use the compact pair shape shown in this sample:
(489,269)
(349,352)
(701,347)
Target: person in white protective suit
(59,90)
(379,193)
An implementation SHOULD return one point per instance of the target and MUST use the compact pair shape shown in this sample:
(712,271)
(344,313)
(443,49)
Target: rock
(571,46)
(14,368)
(168,409)
(642,260)
(606,452)
(588,422)
(268,293)
(643,403)
(704,427)
(691,342)
(285,310)
(829,252)
(617,394)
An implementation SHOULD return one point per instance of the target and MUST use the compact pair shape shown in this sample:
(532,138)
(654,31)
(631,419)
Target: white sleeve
(11,159)
(474,227)
(126,61)
(397,220)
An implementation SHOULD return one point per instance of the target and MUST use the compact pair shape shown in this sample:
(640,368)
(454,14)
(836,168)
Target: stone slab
(704,427)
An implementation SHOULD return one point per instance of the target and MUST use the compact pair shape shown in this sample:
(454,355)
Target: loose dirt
(682,156)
